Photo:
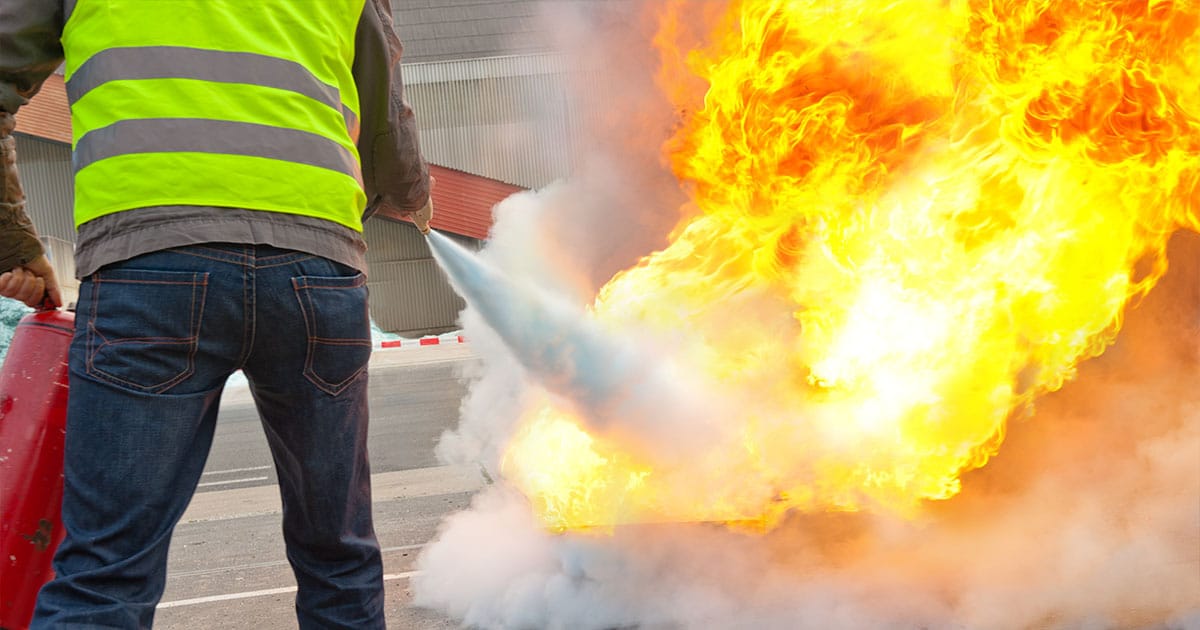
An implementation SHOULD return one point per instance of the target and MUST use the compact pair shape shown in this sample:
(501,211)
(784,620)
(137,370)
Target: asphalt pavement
(227,567)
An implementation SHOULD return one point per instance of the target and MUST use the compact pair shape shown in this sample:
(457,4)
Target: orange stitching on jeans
(193,329)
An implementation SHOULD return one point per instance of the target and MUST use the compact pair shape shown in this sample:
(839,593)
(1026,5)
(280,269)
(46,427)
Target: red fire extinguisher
(33,414)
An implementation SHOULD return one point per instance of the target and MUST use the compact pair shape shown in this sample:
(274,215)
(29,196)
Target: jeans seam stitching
(301,290)
(304,297)
(241,263)
(271,261)
(170,282)
(193,340)
(199,280)
(91,323)
(332,389)
(251,323)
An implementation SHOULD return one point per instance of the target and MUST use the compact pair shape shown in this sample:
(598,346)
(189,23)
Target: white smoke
(572,236)
(1089,517)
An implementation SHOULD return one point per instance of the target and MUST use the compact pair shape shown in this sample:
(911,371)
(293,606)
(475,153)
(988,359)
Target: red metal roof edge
(47,115)
(463,202)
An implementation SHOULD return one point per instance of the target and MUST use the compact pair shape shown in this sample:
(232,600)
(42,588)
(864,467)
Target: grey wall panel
(435,30)
(62,257)
(47,178)
(62,254)
(409,293)
(389,241)
(504,118)
(412,298)
(496,67)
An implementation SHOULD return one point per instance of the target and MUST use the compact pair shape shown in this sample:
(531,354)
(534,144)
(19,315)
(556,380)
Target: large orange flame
(909,219)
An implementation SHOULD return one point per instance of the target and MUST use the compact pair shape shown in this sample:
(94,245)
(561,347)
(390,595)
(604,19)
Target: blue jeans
(155,338)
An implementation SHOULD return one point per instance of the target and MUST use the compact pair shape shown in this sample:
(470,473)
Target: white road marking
(234,470)
(270,591)
(269,563)
(400,576)
(223,483)
(228,596)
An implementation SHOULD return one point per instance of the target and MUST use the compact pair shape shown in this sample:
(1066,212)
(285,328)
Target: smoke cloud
(1089,516)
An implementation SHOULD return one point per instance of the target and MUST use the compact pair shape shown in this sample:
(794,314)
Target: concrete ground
(227,567)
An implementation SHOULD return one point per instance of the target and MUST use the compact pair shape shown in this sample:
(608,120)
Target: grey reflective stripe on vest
(68,9)
(174,135)
(178,62)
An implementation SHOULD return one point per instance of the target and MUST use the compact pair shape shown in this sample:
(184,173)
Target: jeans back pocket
(143,327)
(338,323)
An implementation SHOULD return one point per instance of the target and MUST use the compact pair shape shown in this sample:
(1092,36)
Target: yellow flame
(908,219)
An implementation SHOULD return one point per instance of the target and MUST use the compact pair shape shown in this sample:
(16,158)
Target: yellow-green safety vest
(255,109)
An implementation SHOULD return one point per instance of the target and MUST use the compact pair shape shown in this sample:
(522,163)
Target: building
(493,116)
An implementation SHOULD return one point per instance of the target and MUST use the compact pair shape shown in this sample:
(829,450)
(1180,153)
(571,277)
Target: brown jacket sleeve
(19,243)
(30,48)
(30,32)
(395,174)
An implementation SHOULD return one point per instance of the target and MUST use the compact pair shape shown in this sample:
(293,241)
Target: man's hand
(422,217)
(31,282)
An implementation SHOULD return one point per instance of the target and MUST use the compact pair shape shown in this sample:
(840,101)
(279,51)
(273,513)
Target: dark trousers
(156,337)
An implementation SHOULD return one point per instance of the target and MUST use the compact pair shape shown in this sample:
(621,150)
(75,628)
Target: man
(225,155)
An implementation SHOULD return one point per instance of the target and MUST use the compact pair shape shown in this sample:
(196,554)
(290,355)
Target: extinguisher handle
(47,304)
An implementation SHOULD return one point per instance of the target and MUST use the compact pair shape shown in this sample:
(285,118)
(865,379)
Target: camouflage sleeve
(19,243)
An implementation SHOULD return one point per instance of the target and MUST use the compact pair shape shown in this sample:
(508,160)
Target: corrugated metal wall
(434,30)
(437,30)
(62,256)
(505,118)
(45,169)
(409,293)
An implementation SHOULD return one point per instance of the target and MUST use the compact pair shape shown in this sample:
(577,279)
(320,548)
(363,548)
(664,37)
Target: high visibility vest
(228,103)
